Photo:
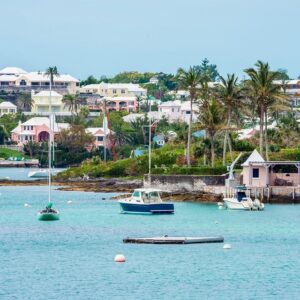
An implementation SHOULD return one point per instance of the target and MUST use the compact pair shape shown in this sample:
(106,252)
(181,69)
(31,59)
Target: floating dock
(175,240)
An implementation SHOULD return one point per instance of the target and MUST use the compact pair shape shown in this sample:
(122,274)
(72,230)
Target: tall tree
(212,120)
(208,71)
(264,93)
(229,93)
(25,101)
(72,102)
(190,80)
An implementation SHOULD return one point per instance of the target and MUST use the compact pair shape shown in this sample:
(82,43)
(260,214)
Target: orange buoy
(120,258)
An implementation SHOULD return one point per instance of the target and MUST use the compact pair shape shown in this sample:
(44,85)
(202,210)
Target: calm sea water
(74,258)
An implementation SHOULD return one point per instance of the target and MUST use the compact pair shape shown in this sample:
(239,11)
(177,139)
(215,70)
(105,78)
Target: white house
(177,111)
(7,108)
(114,89)
(12,78)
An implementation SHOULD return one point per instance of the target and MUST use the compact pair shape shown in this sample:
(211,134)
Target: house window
(255,173)
(100,138)
(122,91)
(172,109)
(23,82)
(188,112)
(114,91)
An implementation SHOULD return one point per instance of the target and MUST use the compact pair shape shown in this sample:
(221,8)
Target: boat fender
(120,258)
(227,247)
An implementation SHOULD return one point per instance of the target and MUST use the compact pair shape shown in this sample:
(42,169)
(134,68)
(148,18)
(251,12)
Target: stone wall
(186,182)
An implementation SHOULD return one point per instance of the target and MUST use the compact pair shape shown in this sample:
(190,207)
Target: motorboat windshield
(240,195)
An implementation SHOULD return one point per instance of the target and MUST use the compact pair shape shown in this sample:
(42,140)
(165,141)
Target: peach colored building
(100,139)
(35,129)
(128,104)
(260,173)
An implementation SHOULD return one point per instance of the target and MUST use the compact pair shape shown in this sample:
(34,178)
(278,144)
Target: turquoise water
(74,258)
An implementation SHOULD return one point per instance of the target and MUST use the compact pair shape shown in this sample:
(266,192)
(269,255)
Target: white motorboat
(241,200)
(42,173)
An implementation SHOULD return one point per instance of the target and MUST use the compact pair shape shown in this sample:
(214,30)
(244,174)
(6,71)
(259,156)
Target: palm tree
(230,95)
(72,102)
(212,120)
(25,101)
(51,72)
(190,80)
(265,93)
(139,100)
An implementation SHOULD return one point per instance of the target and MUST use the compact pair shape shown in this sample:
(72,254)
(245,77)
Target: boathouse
(260,173)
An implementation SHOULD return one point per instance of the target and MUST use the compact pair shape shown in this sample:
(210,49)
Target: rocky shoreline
(116,186)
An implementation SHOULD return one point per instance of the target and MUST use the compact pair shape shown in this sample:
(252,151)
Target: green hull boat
(48,216)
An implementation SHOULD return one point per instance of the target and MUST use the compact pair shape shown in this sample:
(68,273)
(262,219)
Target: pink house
(100,139)
(260,173)
(127,103)
(35,129)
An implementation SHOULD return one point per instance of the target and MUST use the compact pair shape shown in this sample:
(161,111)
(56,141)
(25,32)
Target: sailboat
(49,213)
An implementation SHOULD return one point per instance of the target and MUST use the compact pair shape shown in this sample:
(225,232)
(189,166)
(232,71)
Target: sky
(84,37)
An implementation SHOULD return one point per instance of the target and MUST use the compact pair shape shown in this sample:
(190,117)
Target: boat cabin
(146,196)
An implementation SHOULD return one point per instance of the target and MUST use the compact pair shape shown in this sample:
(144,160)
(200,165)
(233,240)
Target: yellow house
(41,102)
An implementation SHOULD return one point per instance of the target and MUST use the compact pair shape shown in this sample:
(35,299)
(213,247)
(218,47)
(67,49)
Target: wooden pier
(174,240)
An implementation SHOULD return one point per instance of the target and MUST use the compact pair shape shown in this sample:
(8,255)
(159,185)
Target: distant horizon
(96,37)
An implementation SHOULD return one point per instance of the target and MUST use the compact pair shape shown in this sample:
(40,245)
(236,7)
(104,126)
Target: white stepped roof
(42,77)
(254,157)
(131,87)
(39,121)
(9,78)
(170,103)
(6,104)
(47,94)
(12,71)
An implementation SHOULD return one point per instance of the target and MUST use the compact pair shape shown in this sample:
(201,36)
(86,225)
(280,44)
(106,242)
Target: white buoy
(26,205)
(70,201)
(120,258)
(227,247)
(7,178)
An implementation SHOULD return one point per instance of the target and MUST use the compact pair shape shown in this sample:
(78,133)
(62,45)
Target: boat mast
(50,141)
(149,174)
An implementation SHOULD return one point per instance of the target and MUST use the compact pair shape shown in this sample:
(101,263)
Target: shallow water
(74,258)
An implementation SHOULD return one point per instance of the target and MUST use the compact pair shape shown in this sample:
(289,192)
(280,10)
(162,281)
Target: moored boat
(146,200)
(241,200)
(48,214)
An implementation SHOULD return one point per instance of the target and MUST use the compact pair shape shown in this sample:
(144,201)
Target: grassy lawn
(6,153)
